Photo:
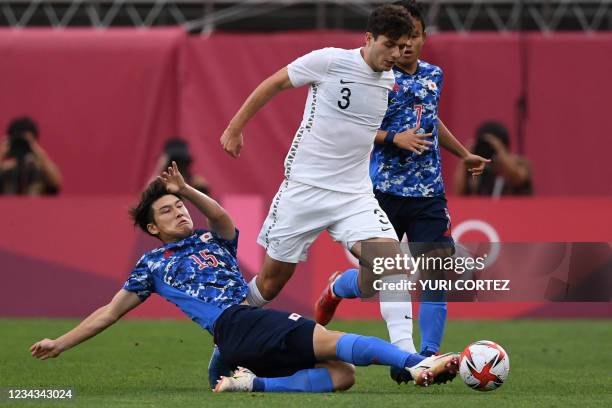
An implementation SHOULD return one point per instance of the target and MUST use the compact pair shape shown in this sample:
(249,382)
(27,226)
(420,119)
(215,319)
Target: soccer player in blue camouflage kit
(197,270)
(407,178)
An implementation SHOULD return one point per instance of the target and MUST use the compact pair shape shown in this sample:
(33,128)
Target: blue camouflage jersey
(199,274)
(412,103)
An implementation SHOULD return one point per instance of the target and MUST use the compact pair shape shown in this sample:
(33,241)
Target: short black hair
(19,126)
(496,129)
(142,213)
(389,20)
(414,9)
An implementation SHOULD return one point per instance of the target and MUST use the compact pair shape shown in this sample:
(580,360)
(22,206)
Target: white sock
(254,297)
(396,309)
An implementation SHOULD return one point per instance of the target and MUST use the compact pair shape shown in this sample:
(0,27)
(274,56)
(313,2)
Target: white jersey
(346,104)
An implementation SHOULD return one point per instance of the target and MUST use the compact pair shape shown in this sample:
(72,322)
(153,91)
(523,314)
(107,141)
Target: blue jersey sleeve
(140,280)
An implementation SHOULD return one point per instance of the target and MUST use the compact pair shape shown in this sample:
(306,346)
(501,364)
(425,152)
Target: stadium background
(109,82)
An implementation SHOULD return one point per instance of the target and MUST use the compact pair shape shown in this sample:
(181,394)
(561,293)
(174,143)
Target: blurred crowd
(27,169)
(508,174)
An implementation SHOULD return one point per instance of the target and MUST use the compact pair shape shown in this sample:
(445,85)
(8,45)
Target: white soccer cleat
(241,380)
(435,369)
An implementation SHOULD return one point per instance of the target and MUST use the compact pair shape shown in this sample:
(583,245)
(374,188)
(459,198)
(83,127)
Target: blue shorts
(268,342)
(424,220)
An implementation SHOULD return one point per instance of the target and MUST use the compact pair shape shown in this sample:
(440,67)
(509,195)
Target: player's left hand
(46,348)
(173,179)
(475,164)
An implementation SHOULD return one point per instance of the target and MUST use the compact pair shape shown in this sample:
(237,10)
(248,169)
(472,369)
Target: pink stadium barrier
(107,100)
(66,256)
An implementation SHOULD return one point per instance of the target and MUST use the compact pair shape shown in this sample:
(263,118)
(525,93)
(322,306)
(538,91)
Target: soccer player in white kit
(327,186)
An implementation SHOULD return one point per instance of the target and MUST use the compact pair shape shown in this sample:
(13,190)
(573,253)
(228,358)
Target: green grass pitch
(553,363)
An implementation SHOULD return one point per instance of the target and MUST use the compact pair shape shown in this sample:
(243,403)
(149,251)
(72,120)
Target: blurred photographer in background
(177,150)
(508,174)
(25,167)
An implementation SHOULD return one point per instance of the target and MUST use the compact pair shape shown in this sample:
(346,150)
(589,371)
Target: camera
(19,146)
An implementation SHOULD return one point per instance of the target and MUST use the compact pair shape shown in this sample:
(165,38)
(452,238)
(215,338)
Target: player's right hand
(232,142)
(410,140)
(45,349)
(173,179)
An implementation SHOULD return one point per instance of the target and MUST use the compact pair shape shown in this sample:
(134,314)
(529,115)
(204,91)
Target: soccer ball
(484,365)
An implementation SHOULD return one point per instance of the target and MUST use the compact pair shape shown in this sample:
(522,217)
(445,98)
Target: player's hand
(37,150)
(232,142)
(45,349)
(173,179)
(410,140)
(475,164)
(4,146)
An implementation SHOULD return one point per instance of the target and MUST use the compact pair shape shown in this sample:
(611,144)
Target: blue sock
(347,285)
(364,350)
(217,367)
(432,317)
(310,380)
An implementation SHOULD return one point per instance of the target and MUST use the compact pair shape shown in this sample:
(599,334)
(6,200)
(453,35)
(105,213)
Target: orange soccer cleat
(326,305)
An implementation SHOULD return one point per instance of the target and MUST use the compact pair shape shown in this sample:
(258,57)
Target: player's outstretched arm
(231,140)
(218,219)
(475,164)
(407,140)
(96,322)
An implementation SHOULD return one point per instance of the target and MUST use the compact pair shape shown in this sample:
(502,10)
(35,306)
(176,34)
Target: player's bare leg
(270,280)
(326,305)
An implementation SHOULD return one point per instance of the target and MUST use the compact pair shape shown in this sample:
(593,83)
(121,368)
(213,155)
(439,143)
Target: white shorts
(300,212)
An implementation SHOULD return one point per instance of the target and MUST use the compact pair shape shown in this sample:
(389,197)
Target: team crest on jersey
(206,237)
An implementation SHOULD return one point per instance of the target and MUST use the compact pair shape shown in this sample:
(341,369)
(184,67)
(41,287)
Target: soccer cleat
(435,369)
(218,368)
(326,305)
(240,380)
(400,376)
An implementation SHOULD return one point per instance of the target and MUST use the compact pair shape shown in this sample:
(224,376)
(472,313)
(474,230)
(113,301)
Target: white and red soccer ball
(484,365)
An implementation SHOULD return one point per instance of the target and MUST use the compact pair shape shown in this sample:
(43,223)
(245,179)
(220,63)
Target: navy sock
(309,380)
(347,285)
(365,350)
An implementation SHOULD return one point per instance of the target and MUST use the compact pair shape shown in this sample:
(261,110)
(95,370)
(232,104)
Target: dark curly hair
(19,126)
(414,9)
(389,20)
(142,213)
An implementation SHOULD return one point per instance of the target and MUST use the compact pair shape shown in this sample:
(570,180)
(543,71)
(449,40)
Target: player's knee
(273,277)
(343,375)
(325,343)
(367,290)
(366,284)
